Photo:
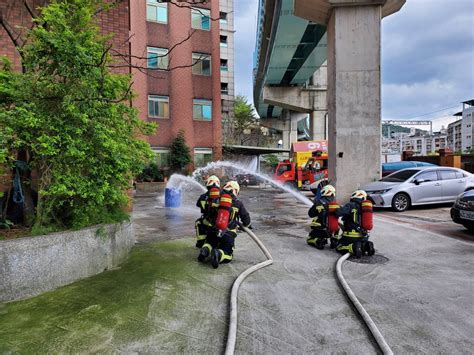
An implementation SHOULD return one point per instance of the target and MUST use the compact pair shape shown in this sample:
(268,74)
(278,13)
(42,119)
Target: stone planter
(149,187)
(30,266)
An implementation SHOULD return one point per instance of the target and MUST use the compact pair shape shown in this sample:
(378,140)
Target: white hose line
(370,323)
(232,334)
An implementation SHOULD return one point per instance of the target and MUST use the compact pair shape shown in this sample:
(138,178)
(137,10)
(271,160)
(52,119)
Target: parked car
(248,179)
(419,186)
(389,168)
(462,211)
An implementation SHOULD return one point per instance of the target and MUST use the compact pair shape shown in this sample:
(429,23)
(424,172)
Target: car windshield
(400,176)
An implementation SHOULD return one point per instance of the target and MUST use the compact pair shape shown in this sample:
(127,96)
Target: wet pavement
(418,289)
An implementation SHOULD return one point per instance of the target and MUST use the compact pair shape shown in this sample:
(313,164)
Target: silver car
(419,186)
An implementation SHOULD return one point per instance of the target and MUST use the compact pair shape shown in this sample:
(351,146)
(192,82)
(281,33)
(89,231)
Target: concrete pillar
(354,97)
(317,122)
(290,130)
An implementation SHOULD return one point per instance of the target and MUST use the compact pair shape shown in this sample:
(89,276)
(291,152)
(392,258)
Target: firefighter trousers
(202,226)
(223,243)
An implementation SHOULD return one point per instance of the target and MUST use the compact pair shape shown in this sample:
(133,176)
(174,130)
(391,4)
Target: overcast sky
(427,56)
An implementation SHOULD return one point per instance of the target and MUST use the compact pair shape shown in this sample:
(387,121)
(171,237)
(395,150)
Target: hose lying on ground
(232,333)
(365,316)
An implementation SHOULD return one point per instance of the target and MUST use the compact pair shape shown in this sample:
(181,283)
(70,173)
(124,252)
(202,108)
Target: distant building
(454,135)
(461,132)
(226,22)
(467,127)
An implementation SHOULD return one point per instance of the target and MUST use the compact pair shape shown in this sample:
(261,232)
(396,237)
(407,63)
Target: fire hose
(232,333)
(365,316)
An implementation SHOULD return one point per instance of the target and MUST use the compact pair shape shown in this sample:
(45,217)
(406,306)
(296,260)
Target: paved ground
(162,300)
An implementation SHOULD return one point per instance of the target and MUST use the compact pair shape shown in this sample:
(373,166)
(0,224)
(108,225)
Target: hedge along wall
(30,266)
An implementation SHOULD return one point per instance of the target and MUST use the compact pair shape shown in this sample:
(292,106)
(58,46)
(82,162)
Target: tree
(73,118)
(244,128)
(179,153)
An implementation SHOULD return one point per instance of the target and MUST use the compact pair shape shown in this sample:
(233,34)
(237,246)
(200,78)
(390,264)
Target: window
(224,41)
(224,88)
(283,168)
(162,156)
(202,110)
(201,64)
(223,18)
(201,19)
(202,156)
(460,175)
(224,65)
(447,174)
(156,11)
(400,176)
(157,58)
(428,176)
(158,106)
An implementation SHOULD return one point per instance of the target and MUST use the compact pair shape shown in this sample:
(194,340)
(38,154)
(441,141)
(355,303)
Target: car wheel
(400,202)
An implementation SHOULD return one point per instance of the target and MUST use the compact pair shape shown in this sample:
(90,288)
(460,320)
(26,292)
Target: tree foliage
(244,128)
(73,117)
(179,153)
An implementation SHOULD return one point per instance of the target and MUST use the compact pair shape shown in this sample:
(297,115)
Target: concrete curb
(33,265)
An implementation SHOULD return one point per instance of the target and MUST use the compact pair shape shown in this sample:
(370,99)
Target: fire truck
(309,164)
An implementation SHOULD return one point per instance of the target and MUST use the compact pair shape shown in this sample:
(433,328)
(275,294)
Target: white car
(419,186)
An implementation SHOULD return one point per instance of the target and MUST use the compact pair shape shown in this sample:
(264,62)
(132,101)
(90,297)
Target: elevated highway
(321,58)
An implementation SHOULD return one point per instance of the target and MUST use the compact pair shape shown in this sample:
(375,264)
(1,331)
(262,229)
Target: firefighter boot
(357,249)
(368,248)
(320,243)
(333,242)
(311,241)
(215,258)
(204,252)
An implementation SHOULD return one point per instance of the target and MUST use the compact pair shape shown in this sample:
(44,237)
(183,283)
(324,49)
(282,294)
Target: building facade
(175,52)
(467,130)
(226,21)
(461,132)
(454,136)
(180,89)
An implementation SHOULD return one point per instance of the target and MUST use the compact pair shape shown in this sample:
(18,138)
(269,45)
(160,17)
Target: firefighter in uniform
(354,238)
(318,237)
(220,247)
(207,202)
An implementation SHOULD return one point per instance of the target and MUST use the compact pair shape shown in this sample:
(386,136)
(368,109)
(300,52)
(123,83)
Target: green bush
(73,117)
(151,173)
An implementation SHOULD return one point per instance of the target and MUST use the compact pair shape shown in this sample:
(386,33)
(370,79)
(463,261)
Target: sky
(427,57)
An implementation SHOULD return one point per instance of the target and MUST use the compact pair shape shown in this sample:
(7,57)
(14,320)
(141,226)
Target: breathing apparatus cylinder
(223,211)
(333,220)
(367,222)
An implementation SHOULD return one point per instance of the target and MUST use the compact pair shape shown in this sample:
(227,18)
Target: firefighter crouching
(357,218)
(220,240)
(207,202)
(325,222)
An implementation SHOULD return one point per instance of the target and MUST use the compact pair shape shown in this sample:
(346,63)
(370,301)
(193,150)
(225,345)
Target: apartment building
(179,44)
(175,51)
(454,136)
(226,16)
(461,132)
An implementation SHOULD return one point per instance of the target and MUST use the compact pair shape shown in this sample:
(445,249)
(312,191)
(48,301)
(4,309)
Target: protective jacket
(319,213)
(208,208)
(238,212)
(351,217)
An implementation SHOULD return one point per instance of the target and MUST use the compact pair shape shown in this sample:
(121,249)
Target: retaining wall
(30,266)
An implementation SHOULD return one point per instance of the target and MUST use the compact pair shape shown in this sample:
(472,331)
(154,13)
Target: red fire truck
(309,164)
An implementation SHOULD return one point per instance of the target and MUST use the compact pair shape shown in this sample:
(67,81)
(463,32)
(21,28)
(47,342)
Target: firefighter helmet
(359,195)
(213,181)
(328,191)
(232,186)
